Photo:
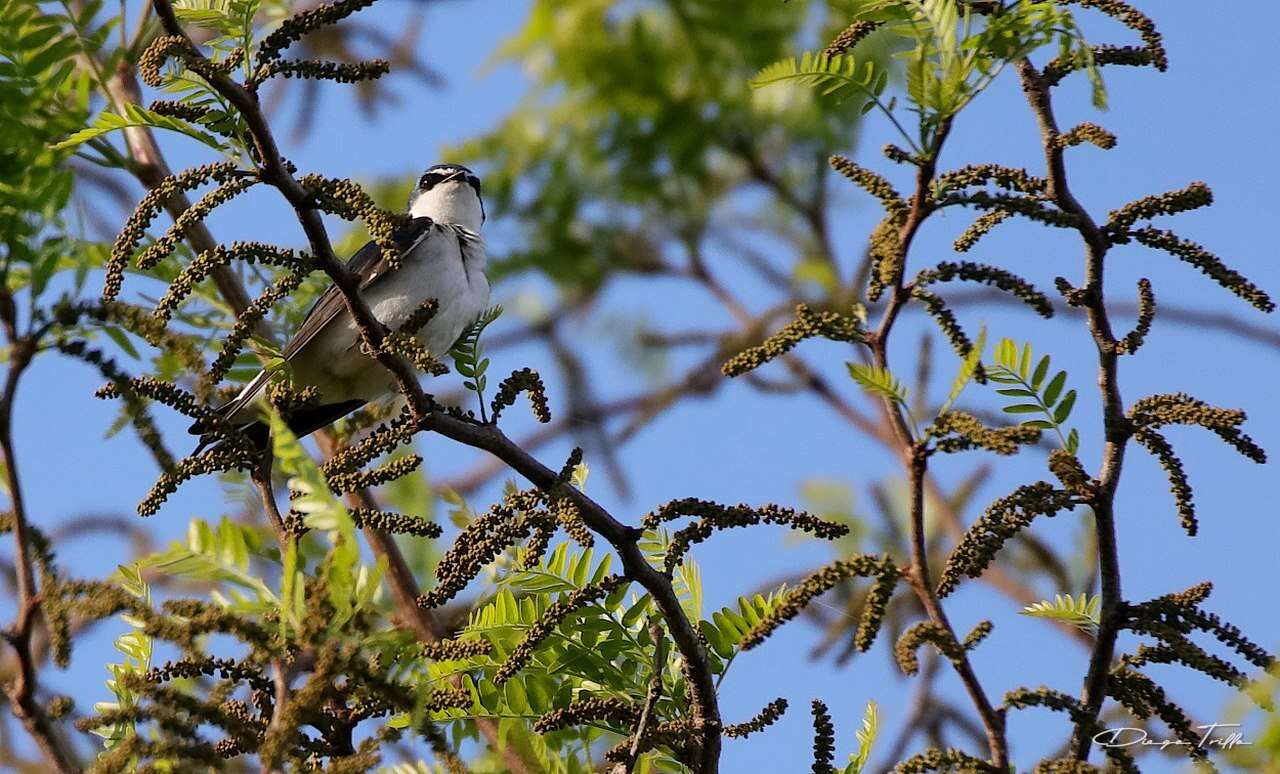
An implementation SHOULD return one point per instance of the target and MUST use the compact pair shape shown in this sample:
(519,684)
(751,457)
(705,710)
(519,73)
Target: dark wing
(368,265)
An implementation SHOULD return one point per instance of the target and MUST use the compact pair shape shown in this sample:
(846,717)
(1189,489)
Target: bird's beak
(454,176)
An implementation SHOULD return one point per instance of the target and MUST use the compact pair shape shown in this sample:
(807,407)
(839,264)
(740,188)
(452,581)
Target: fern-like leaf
(1033,392)
(866,738)
(729,625)
(840,76)
(136,115)
(879,381)
(468,354)
(1083,612)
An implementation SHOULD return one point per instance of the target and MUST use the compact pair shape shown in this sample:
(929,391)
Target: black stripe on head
(441,172)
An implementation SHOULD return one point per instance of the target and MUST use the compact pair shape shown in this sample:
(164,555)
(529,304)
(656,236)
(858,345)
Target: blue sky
(1211,118)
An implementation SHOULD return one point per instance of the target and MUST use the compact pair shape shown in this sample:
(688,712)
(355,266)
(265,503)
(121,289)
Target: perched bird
(442,257)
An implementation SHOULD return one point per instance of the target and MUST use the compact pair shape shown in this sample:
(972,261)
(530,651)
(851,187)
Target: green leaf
(968,367)
(1054,389)
(687,583)
(121,340)
(878,381)
(1007,354)
(1023,408)
(1063,412)
(579,476)
(468,354)
(1012,367)
(516,697)
(720,643)
(1042,369)
(838,76)
(637,611)
(42,271)
(1083,612)
(733,623)
(136,115)
(866,738)
(210,555)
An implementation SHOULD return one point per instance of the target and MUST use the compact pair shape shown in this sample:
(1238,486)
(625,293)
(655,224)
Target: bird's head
(448,193)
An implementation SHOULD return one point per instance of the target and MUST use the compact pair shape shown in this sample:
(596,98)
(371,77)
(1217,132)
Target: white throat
(454,202)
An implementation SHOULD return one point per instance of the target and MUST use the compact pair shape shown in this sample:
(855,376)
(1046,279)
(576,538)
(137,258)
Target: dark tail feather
(302,422)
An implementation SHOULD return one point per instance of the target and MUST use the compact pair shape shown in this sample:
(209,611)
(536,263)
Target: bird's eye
(429,180)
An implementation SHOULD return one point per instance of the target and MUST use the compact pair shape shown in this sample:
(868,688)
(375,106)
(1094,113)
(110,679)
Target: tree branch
(651,698)
(272,169)
(1116,426)
(22,692)
(915,458)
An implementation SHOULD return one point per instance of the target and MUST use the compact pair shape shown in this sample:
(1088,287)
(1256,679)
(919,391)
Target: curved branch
(706,715)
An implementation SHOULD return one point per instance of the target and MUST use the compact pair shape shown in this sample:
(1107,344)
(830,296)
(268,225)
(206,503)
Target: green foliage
(968,368)
(233,560)
(952,57)
(219,556)
(1035,395)
(136,647)
(729,625)
(840,76)
(835,75)
(233,20)
(686,577)
(882,383)
(1263,690)
(232,27)
(599,649)
(1083,612)
(641,124)
(468,354)
(352,584)
(726,627)
(866,738)
(642,135)
(136,115)
(39,83)
(579,476)
(878,381)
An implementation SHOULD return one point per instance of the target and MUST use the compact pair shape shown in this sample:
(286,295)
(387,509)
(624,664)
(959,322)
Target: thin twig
(1194,319)
(262,479)
(651,698)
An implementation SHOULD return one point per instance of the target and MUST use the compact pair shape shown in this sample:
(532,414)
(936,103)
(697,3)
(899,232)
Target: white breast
(447,266)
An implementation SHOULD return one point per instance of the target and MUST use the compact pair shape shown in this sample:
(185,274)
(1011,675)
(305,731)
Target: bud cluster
(807,324)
